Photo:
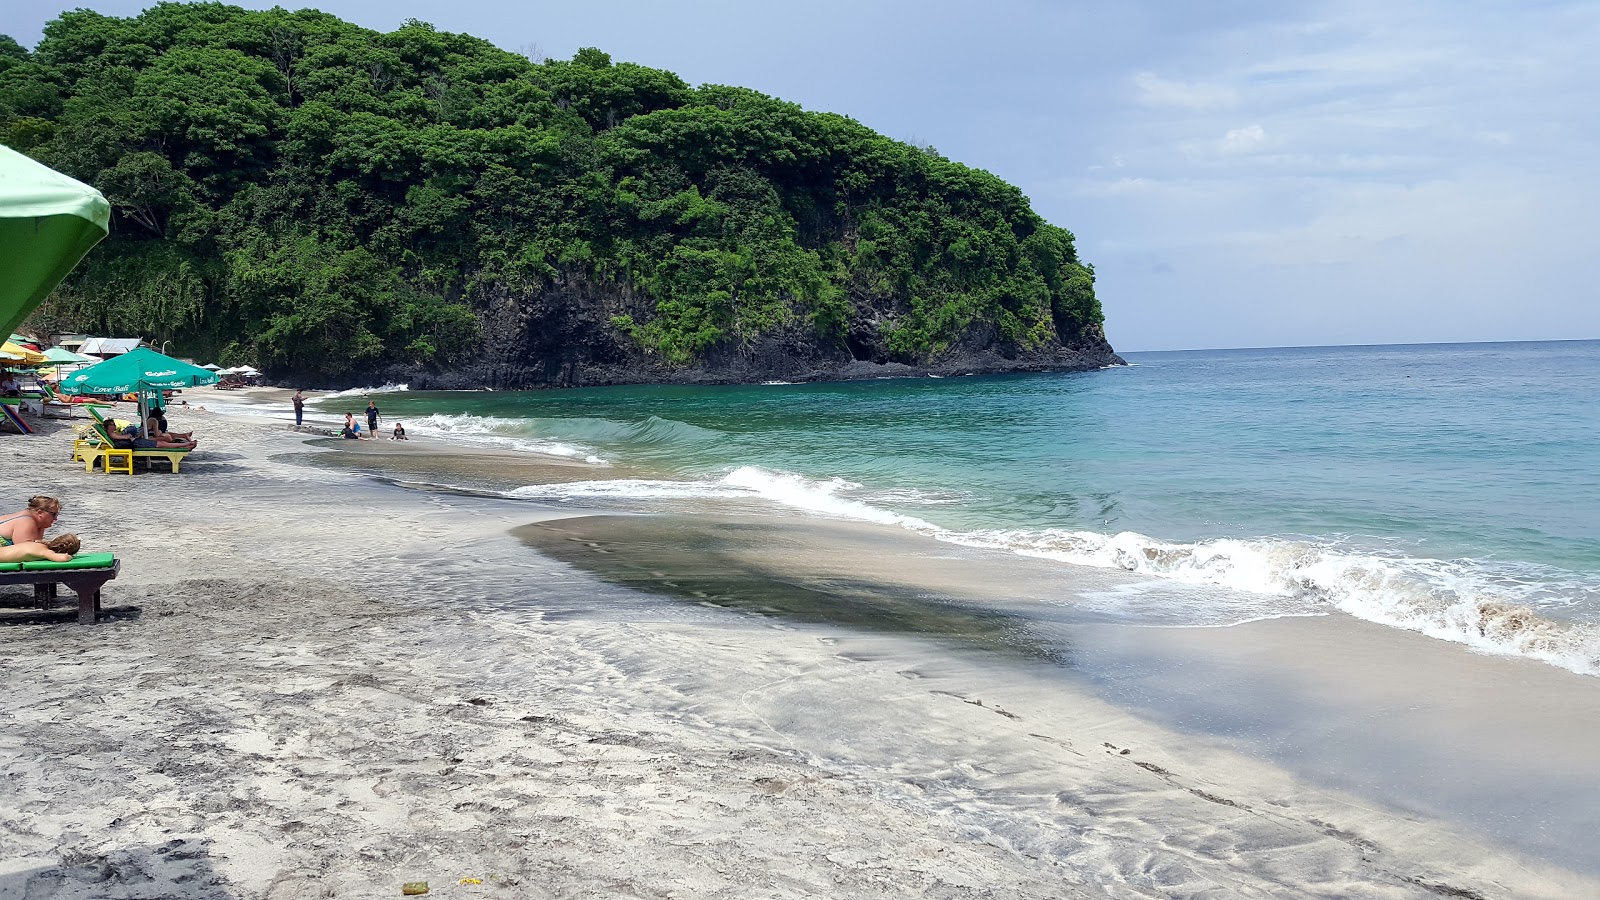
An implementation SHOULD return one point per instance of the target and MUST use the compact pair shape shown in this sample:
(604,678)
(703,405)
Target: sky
(1241,173)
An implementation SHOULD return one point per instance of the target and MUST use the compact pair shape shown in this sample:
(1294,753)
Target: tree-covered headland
(328,202)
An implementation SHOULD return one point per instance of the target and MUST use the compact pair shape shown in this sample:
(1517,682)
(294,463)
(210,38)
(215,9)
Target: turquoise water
(1448,489)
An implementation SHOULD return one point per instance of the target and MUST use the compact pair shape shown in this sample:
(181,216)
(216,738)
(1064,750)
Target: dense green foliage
(317,198)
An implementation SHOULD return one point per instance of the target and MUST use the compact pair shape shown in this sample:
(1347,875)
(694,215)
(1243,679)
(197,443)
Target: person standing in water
(299,408)
(372,418)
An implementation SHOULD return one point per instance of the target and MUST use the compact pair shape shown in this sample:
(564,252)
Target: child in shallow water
(400,432)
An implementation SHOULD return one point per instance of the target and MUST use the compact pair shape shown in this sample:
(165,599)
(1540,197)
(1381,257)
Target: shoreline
(318,683)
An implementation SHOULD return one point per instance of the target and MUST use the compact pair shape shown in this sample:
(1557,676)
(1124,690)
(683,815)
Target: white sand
(332,686)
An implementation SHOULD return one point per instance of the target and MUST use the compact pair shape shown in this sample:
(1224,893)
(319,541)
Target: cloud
(1243,140)
(1158,92)
(1118,186)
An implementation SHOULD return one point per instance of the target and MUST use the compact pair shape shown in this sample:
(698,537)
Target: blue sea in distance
(1452,490)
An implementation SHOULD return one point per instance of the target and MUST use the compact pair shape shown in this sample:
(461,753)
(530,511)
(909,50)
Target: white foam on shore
(625,489)
(1454,600)
(746,483)
(494,431)
(362,392)
(1491,610)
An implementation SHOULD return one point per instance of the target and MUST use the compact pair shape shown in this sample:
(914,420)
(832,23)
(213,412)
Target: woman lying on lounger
(58,549)
(29,525)
(130,439)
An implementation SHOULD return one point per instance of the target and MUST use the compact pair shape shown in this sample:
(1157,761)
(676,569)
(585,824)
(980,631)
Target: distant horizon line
(1346,346)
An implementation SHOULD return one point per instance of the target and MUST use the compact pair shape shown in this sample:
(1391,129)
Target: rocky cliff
(563,336)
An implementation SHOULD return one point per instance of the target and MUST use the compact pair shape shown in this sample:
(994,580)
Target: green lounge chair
(103,433)
(85,574)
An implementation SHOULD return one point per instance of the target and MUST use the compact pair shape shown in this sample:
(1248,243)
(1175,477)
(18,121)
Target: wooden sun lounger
(85,575)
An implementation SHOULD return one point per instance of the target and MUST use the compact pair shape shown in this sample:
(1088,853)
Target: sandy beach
(311,682)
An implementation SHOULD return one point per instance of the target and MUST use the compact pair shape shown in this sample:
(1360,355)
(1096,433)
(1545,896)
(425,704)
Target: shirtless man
(29,525)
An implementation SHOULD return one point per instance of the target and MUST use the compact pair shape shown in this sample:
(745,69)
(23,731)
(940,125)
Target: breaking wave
(363,392)
(494,431)
(1494,609)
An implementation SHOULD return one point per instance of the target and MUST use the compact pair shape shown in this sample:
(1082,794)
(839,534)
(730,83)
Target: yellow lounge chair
(103,433)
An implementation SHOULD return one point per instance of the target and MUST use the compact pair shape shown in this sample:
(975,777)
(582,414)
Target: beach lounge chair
(10,416)
(106,450)
(85,574)
(57,405)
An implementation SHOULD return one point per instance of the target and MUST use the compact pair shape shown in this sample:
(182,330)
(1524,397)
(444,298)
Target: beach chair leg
(88,603)
(44,595)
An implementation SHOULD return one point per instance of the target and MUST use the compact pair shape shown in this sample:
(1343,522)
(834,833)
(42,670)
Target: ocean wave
(362,392)
(1491,609)
(624,488)
(1453,600)
(815,496)
(499,432)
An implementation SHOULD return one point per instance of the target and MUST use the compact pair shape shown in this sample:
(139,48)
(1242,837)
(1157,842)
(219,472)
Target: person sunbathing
(132,440)
(156,427)
(58,549)
(29,525)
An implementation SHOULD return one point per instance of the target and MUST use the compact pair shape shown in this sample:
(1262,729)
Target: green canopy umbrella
(47,223)
(64,356)
(142,370)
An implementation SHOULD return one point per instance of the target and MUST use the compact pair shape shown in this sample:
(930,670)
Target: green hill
(331,203)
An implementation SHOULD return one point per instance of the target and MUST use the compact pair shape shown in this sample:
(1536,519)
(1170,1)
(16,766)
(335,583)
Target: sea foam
(1470,603)
(497,432)
(1453,600)
(362,392)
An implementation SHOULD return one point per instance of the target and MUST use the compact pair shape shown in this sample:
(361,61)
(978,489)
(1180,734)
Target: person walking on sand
(299,408)
(29,525)
(372,418)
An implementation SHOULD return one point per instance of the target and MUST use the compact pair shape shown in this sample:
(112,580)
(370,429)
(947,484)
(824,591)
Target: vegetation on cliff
(320,199)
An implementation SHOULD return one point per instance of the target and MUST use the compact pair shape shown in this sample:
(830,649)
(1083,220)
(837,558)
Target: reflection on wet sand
(809,571)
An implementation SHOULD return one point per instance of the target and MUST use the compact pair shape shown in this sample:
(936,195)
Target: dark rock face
(562,336)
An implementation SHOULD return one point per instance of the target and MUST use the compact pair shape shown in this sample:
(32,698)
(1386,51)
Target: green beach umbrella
(63,355)
(143,370)
(47,223)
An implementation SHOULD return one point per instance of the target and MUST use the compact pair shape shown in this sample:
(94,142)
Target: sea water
(1452,490)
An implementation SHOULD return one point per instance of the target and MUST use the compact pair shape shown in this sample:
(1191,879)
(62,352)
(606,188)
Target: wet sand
(1501,746)
(312,683)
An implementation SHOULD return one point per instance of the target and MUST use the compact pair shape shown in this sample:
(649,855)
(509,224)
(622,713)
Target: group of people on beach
(352,428)
(22,534)
(155,435)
